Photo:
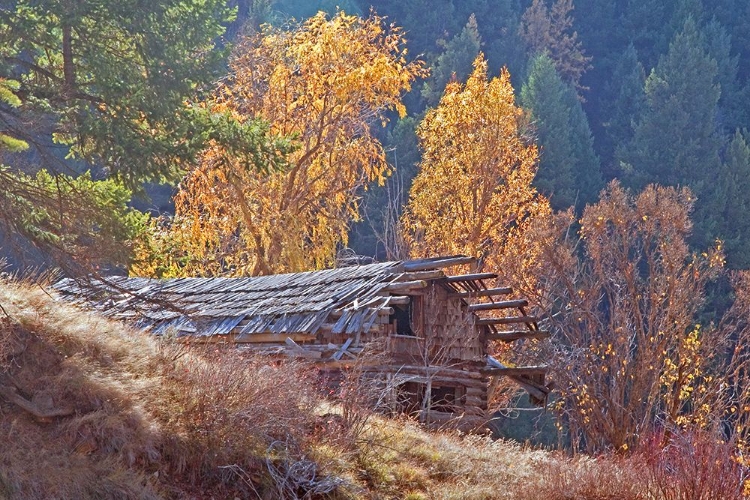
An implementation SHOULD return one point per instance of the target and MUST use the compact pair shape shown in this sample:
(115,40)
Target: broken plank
(506,304)
(422,275)
(438,263)
(340,352)
(399,300)
(470,277)
(271,337)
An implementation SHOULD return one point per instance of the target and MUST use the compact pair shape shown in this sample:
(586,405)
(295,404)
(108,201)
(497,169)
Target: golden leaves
(323,83)
(473,192)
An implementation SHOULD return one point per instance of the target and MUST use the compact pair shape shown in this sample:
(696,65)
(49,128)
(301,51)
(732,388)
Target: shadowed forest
(595,154)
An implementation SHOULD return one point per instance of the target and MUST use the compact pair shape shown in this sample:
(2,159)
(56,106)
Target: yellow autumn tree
(323,84)
(473,193)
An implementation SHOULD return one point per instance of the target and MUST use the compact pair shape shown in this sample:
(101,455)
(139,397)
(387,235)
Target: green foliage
(8,88)
(110,85)
(625,99)
(569,169)
(550,30)
(110,79)
(676,142)
(455,63)
(79,223)
(736,230)
(732,108)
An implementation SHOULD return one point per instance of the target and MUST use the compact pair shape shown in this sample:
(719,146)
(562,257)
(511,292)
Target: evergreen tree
(569,169)
(648,27)
(498,28)
(732,108)
(550,30)
(736,216)
(625,99)
(454,63)
(676,141)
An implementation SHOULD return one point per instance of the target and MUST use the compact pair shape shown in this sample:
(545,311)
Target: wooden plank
(344,347)
(519,334)
(337,313)
(507,321)
(403,286)
(422,275)
(483,293)
(516,371)
(272,337)
(291,343)
(506,304)
(470,277)
(399,300)
(438,263)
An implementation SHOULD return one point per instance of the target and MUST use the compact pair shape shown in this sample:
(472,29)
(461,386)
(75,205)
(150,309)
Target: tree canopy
(473,192)
(98,85)
(322,84)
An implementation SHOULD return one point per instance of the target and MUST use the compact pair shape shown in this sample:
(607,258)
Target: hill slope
(91,409)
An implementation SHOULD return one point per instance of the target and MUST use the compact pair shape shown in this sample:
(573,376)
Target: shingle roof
(282,303)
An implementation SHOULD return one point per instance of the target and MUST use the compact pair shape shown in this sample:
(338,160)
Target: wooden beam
(515,371)
(535,390)
(438,263)
(507,321)
(401,286)
(399,300)
(422,275)
(253,338)
(518,334)
(506,304)
(340,352)
(470,277)
(483,293)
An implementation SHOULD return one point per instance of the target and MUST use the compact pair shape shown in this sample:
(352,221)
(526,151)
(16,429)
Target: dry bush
(692,466)
(227,408)
(152,419)
(605,478)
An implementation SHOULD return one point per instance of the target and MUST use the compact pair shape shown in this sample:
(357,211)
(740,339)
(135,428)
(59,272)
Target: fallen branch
(11,394)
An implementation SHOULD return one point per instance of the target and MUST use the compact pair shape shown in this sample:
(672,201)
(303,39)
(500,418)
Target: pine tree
(676,141)
(732,108)
(569,169)
(550,30)
(454,63)
(736,216)
(625,99)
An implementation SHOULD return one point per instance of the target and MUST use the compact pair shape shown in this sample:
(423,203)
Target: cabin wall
(442,330)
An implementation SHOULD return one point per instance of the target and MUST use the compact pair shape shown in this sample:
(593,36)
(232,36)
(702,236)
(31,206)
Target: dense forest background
(645,92)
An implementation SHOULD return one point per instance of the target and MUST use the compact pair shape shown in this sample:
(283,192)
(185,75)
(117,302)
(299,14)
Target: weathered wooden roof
(282,303)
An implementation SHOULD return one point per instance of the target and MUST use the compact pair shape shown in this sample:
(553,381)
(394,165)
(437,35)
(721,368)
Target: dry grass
(156,420)
(151,419)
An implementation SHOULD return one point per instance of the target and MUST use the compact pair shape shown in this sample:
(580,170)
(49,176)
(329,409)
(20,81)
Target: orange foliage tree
(550,30)
(473,194)
(322,84)
(632,358)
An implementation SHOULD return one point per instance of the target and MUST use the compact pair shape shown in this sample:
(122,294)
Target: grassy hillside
(91,409)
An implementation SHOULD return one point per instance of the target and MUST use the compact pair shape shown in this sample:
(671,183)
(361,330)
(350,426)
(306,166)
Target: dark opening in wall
(408,318)
(443,398)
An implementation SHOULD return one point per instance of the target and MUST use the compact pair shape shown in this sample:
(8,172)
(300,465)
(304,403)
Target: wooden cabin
(433,331)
